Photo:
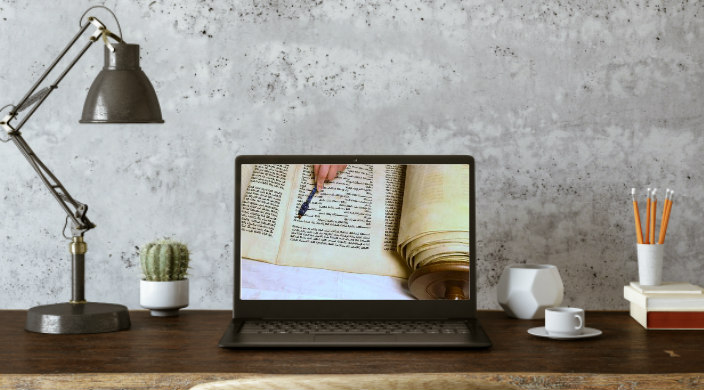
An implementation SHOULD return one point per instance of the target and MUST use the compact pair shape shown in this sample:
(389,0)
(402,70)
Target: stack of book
(667,306)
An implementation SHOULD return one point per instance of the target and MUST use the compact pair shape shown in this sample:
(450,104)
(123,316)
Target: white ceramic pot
(526,290)
(163,298)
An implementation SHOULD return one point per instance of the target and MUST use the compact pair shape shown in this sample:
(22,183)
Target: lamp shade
(122,92)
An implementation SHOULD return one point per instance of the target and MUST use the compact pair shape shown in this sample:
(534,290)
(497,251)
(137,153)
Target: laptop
(354,251)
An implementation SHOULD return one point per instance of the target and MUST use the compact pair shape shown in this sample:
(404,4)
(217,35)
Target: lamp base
(77,318)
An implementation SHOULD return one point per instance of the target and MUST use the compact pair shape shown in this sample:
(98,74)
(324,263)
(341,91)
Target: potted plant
(164,288)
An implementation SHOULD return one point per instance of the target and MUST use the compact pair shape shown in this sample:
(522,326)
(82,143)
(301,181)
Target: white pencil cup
(650,264)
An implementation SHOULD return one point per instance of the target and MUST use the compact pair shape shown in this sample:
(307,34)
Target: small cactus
(164,260)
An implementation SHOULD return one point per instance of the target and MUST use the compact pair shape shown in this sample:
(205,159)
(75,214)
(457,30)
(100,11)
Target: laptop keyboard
(354,327)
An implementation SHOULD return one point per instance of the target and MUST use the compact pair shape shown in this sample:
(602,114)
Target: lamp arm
(75,210)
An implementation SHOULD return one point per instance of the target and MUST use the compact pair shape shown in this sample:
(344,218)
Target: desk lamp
(121,93)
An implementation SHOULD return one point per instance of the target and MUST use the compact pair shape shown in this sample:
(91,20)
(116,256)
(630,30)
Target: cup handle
(581,322)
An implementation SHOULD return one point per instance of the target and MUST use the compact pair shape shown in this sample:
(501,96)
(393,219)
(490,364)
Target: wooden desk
(179,352)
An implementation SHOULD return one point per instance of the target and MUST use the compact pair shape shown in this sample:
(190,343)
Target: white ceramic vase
(163,298)
(526,290)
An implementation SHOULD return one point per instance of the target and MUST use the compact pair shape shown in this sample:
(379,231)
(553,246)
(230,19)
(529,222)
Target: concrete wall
(565,105)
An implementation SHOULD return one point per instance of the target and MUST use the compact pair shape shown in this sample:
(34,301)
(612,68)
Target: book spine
(667,320)
(675,319)
(664,302)
(633,296)
(639,314)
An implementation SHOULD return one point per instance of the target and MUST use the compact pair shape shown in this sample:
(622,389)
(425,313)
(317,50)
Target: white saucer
(586,333)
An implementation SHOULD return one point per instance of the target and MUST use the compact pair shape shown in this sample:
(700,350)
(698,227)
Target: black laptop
(354,251)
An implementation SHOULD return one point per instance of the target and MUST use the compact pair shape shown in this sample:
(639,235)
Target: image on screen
(373,232)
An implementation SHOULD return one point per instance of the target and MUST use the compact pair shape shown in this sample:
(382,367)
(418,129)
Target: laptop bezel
(353,309)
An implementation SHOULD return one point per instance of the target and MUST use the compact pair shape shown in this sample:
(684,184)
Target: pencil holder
(650,264)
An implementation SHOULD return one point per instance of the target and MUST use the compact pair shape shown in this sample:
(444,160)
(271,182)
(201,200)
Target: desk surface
(188,344)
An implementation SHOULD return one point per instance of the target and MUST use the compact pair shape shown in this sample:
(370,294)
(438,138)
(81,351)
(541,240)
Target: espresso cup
(564,321)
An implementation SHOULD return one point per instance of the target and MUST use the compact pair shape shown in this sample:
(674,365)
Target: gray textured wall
(564,104)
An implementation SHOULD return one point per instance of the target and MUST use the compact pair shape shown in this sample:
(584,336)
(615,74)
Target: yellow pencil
(664,213)
(668,207)
(654,203)
(647,219)
(636,214)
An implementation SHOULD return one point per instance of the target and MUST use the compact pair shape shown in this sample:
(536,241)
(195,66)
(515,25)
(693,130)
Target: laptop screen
(355,231)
